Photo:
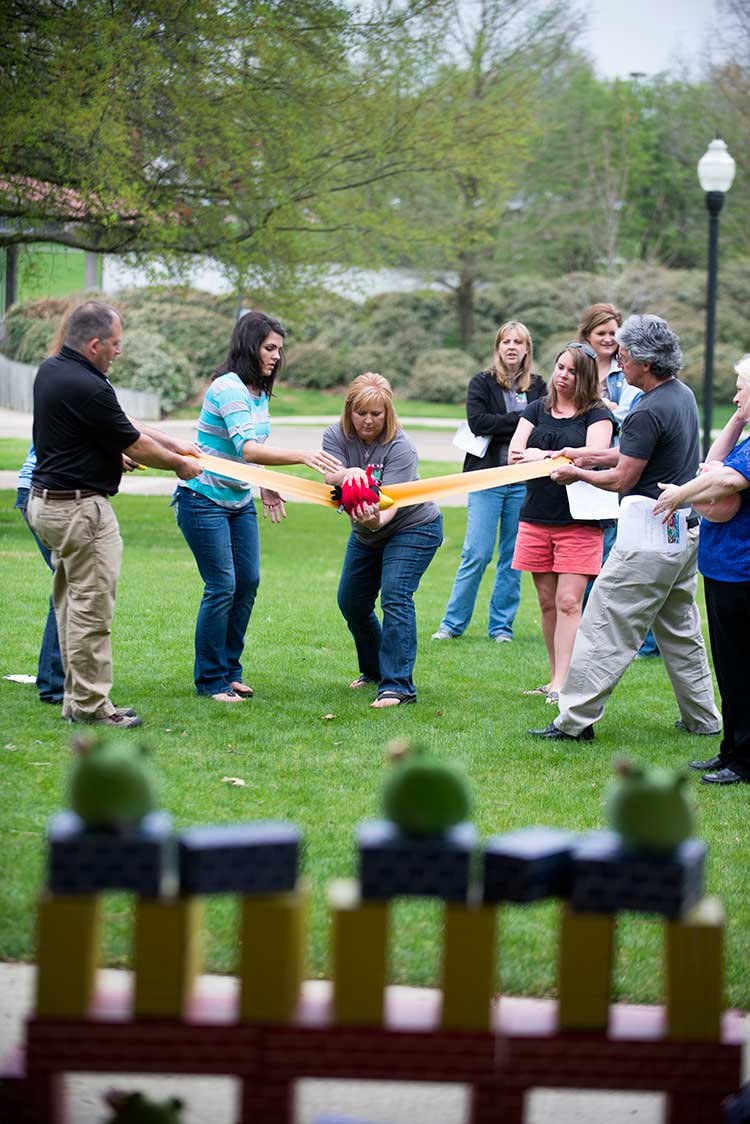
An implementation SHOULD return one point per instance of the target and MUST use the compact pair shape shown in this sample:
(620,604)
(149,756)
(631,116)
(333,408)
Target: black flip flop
(403,700)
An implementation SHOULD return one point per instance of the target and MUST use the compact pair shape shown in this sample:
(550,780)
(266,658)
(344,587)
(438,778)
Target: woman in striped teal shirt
(217,515)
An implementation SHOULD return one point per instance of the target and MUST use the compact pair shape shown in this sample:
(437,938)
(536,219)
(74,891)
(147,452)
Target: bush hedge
(441,375)
(175,337)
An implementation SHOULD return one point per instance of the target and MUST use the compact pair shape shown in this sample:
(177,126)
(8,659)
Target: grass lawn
(312,751)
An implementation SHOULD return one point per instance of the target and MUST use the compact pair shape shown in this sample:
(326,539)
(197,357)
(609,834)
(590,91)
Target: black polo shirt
(80,430)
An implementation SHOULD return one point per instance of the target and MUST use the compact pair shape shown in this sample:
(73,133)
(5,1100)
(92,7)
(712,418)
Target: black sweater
(487,416)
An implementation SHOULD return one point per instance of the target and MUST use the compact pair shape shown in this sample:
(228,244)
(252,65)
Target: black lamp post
(716,173)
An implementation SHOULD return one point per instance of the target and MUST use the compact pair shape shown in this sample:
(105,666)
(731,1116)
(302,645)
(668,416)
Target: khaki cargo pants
(84,537)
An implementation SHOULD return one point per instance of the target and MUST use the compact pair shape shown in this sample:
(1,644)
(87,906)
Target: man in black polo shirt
(643,588)
(81,435)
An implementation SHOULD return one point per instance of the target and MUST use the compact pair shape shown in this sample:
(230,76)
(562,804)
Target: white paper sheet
(640,529)
(469,442)
(588,502)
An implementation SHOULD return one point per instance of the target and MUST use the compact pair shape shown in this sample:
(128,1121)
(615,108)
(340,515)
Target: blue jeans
(387,654)
(486,510)
(226,547)
(50,676)
(649,647)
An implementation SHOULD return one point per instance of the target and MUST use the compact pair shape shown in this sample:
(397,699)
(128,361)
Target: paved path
(433,441)
(211,1100)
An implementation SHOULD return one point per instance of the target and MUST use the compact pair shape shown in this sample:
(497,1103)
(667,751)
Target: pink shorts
(570,548)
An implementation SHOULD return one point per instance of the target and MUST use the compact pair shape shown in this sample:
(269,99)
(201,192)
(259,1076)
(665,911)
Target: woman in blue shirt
(720,494)
(217,515)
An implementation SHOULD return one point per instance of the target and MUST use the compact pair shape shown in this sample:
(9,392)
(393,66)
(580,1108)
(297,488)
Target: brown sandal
(537,691)
(242,690)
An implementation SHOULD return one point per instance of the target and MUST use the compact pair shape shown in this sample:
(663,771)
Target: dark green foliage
(389,314)
(152,363)
(33,342)
(441,375)
(314,364)
(175,338)
(375,357)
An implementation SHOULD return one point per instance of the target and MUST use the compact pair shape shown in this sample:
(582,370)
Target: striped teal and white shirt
(230,416)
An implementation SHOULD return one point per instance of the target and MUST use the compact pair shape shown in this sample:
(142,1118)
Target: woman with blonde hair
(560,552)
(388,551)
(495,400)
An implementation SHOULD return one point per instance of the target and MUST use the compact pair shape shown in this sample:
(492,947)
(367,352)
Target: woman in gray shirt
(388,551)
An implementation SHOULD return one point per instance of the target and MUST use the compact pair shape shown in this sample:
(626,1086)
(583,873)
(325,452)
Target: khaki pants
(635,591)
(84,538)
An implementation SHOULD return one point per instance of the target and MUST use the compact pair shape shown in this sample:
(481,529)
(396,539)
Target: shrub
(200,336)
(315,365)
(33,343)
(150,362)
(31,328)
(320,315)
(373,357)
(404,348)
(441,375)
(429,312)
(725,376)
(543,306)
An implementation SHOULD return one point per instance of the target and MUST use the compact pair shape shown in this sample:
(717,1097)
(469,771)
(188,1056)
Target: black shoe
(722,776)
(704,766)
(680,725)
(553,733)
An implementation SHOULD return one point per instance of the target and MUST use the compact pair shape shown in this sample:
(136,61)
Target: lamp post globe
(716,167)
(715,173)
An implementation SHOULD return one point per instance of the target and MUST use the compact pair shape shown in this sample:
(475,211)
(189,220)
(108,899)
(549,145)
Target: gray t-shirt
(663,429)
(399,460)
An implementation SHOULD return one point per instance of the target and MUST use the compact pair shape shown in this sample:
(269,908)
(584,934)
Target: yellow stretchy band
(398,495)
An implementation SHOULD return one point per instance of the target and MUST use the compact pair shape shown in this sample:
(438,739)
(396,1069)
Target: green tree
(613,174)
(469,116)
(145,125)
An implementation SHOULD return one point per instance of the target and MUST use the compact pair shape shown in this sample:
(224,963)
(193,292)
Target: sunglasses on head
(586,348)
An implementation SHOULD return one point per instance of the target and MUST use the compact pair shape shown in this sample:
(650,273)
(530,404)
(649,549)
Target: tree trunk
(465,301)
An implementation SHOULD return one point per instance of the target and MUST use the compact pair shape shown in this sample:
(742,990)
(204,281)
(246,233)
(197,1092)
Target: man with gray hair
(643,588)
(81,435)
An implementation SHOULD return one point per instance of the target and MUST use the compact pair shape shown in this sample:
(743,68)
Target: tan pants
(84,538)
(635,591)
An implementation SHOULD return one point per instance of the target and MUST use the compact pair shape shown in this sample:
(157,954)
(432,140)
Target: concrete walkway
(433,441)
(212,1100)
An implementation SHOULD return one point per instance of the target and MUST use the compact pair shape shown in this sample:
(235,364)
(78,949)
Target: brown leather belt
(49,494)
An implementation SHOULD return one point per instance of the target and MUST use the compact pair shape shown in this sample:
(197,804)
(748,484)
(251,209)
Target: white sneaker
(443,634)
(502,639)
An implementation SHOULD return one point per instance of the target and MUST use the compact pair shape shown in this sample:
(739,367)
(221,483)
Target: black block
(139,858)
(249,858)
(393,864)
(608,878)
(528,865)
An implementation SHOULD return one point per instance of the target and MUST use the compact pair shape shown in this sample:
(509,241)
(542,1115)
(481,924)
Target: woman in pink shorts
(560,552)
